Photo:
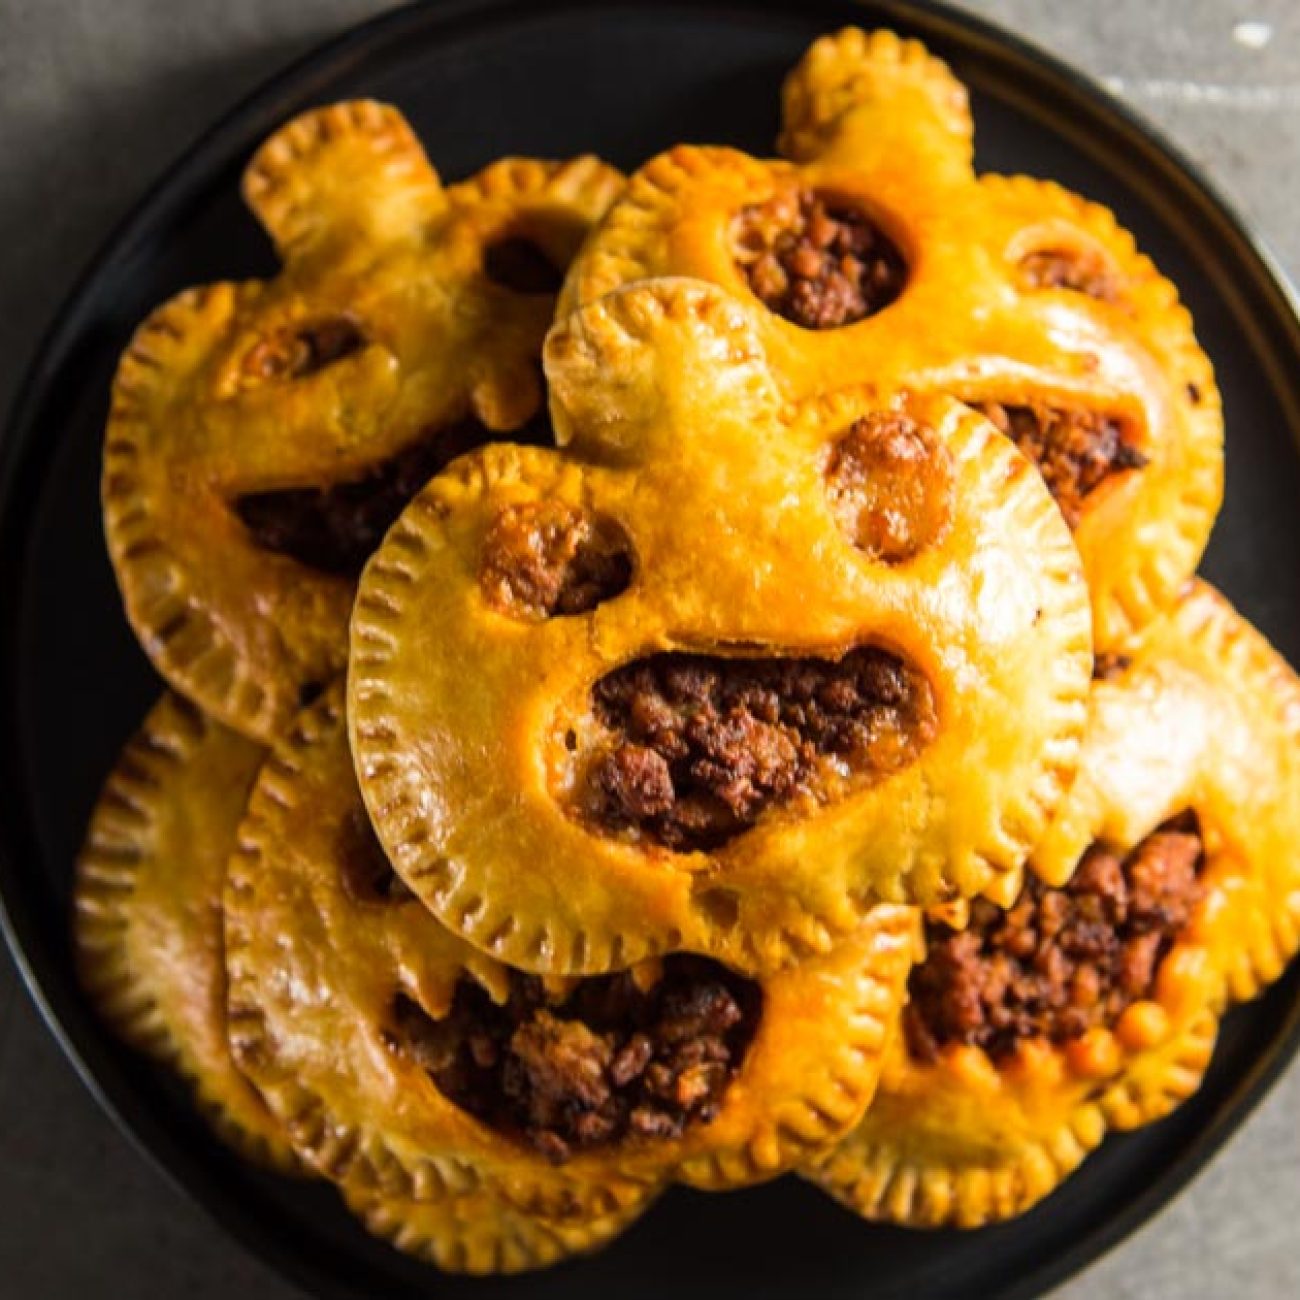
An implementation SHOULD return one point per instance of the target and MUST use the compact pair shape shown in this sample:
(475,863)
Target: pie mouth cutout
(945,280)
(661,392)
(263,436)
(1093,1004)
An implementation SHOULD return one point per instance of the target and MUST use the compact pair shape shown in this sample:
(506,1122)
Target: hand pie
(1093,1004)
(263,435)
(147,911)
(747,669)
(406,1064)
(875,253)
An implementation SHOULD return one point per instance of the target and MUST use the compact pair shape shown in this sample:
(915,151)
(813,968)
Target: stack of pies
(682,679)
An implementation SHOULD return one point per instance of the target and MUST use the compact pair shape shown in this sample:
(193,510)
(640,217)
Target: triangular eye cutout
(346,171)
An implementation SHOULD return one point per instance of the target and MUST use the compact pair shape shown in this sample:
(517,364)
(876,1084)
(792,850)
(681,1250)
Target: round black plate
(480,78)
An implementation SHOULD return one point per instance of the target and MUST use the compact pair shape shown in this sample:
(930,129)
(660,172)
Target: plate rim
(234,132)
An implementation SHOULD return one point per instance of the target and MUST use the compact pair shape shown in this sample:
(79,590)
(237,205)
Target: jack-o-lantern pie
(147,930)
(1093,1002)
(411,1067)
(875,252)
(263,435)
(723,672)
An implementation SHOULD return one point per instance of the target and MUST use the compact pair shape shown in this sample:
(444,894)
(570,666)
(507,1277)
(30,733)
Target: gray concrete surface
(96,96)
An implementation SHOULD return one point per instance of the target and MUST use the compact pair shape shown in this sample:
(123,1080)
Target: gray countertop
(96,97)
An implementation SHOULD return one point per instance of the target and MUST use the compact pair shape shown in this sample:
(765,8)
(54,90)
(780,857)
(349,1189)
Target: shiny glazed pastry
(747,668)
(1093,1004)
(405,1063)
(263,435)
(147,927)
(876,253)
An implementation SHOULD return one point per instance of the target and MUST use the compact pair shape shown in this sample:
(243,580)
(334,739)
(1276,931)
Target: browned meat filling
(692,749)
(614,1058)
(890,485)
(293,353)
(1064,268)
(1059,961)
(544,558)
(519,264)
(1075,450)
(817,262)
(337,528)
(367,874)
(1106,667)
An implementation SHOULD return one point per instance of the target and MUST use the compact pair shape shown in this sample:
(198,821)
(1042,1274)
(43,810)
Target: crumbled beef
(890,485)
(693,748)
(544,558)
(1059,961)
(1107,666)
(1075,450)
(1065,268)
(520,264)
(292,353)
(611,1058)
(818,262)
(367,874)
(336,528)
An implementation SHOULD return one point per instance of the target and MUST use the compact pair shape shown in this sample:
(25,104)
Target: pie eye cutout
(611,1058)
(818,261)
(405,1061)
(1167,887)
(804,814)
(890,485)
(546,559)
(1080,270)
(689,751)
(262,436)
(295,352)
(1076,450)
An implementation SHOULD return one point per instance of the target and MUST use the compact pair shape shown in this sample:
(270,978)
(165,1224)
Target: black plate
(480,78)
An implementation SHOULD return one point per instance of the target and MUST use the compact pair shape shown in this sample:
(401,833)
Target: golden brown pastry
(404,1062)
(1094,1005)
(725,672)
(875,253)
(147,927)
(263,435)
(480,1232)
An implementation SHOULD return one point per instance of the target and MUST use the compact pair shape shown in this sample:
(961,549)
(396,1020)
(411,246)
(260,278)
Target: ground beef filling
(612,1057)
(690,750)
(335,529)
(890,484)
(1063,268)
(303,350)
(818,262)
(1075,450)
(1060,961)
(543,559)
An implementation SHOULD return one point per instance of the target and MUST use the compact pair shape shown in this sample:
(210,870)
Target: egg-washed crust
(383,329)
(661,394)
(480,1233)
(147,931)
(314,974)
(878,125)
(1204,718)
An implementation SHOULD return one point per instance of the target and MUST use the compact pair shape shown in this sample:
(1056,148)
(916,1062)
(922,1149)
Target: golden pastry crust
(480,1233)
(147,929)
(660,394)
(316,977)
(1007,292)
(406,323)
(1200,716)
